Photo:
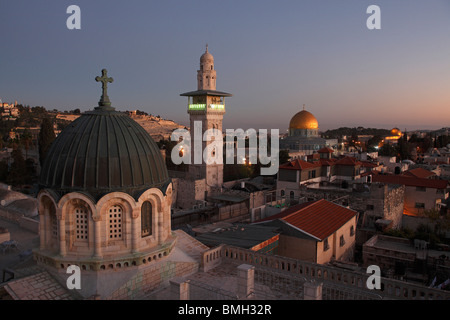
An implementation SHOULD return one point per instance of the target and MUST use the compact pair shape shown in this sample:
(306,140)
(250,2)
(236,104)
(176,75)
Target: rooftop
(239,235)
(410,181)
(319,218)
(419,173)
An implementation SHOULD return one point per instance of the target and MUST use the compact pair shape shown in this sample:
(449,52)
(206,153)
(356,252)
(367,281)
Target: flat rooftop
(239,235)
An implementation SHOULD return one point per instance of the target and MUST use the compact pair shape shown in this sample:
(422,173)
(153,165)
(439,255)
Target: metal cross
(104,80)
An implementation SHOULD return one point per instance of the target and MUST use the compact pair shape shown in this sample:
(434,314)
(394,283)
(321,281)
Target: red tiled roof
(410,181)
(348,161)
(419,173)
(325,150)
(299,165)
(319,219)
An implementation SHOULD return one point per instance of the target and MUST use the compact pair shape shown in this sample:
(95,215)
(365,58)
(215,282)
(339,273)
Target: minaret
(206,106)
(206,76)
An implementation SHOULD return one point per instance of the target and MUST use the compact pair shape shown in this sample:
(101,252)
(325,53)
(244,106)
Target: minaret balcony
(202,106)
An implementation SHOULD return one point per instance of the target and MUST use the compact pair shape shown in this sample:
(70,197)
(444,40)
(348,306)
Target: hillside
(158,128)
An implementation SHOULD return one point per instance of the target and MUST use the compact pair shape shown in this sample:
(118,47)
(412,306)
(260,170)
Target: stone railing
(211,258)
(330,276)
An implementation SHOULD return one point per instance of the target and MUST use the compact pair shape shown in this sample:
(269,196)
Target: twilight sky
(273,56)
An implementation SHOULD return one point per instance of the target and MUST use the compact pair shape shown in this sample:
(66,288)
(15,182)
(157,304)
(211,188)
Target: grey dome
(103,151)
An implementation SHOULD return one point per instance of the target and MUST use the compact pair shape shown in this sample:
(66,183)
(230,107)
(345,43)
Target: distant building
(420,193)
(409,260)
(318,231)
(303,138)
(9,111)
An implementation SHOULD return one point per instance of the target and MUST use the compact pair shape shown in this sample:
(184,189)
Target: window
(283,193)
(146,219)
(115,223)
(341,241)
(420,205)
(53,222)
(421,189)
(352,231)
(370,207)
(311,174)
(291,194)
(54,226)
(326,246)
(81,224)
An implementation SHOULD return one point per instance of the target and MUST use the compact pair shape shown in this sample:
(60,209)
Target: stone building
(104,205)
(318,231)
(420,193)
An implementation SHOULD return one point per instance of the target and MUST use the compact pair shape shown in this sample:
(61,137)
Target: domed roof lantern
(207,57)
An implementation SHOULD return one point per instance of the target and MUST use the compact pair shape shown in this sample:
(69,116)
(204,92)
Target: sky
(273,56)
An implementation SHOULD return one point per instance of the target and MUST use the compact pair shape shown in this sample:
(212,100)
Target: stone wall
(189,192)
(336,281)
(152,278)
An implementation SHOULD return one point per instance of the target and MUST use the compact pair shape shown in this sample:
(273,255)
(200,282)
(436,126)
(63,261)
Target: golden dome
(304,120)
(396,132)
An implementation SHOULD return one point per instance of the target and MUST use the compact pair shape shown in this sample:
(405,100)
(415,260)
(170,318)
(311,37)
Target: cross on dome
(104,100)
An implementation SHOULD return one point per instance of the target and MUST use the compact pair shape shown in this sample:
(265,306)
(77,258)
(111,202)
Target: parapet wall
(332,277)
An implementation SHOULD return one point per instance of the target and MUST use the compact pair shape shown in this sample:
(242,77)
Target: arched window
(292,194)
(81,224)
(146,219)
(53,222)
(115,222)
(282,193)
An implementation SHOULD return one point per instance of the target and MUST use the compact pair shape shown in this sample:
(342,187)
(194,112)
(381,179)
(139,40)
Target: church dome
(303,120)
(101,152)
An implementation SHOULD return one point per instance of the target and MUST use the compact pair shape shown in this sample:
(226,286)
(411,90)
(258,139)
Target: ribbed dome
(303,120)
(103,151)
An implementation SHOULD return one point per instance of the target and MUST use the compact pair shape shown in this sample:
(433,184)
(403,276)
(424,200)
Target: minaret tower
(206,106)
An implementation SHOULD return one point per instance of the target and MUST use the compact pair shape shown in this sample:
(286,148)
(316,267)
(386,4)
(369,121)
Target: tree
(404,149)
(441,221)
(284,156)
(46,137)
(18,174)
(387,150)
(26,139)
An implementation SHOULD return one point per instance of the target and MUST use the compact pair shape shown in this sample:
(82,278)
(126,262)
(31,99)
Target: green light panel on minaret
(217,106)
(197,106)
